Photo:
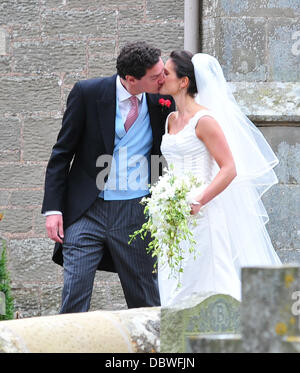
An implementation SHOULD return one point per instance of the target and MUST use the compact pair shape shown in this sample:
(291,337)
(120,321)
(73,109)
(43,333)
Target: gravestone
(203,313)
(270,315)
(270,307)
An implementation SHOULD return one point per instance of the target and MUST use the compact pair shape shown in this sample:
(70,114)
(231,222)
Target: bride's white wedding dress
(228,235)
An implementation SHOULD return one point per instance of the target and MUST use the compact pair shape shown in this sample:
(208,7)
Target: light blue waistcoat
(129,175)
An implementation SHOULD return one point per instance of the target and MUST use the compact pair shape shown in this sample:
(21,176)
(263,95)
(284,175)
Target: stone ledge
(134,330)
(268,101)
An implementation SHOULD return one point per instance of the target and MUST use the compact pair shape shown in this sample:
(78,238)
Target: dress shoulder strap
(201,113)
(167,121)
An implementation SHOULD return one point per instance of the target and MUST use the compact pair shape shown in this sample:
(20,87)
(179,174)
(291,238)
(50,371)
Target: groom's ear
(130,79)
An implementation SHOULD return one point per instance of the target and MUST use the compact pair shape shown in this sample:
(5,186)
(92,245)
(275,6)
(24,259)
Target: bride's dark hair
(184,67)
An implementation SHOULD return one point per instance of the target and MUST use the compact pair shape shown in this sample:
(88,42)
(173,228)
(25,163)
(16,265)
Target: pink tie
(133,113)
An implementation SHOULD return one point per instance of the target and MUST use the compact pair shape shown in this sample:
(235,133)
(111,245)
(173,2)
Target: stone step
(215,343)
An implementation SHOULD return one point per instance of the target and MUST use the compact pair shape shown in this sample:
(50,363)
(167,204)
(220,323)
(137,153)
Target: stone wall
(258,45)
(47,45)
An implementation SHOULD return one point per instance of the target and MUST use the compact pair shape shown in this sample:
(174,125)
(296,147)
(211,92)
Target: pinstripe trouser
(106,225)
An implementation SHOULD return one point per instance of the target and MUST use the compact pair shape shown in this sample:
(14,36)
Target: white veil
(254,160)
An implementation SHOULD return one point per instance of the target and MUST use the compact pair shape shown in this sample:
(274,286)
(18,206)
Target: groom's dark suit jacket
(88,131)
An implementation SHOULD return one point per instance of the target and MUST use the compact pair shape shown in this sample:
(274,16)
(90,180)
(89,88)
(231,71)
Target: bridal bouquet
(169,219)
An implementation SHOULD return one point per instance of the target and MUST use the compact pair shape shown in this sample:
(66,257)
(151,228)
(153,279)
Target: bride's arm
(209,131)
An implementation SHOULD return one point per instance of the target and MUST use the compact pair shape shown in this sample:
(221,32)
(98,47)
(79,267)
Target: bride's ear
(184,82)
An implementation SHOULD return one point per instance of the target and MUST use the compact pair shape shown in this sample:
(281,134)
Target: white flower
(168,210)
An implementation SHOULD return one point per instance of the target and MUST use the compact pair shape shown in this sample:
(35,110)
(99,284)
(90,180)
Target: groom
(97,174)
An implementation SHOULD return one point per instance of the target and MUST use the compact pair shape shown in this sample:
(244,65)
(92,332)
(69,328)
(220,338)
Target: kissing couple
(180,110)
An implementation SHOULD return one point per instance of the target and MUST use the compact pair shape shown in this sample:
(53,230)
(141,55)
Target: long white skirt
(227,240)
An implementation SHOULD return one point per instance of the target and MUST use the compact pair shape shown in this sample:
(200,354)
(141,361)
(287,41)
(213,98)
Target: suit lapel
(106,105)
(155,119)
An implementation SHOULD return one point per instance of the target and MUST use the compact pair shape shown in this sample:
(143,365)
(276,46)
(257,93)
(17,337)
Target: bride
(210,136)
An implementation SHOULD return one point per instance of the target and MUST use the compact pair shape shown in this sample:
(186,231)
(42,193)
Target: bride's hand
(195,208)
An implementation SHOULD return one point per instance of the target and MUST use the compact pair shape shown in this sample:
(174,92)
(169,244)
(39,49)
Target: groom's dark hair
(136,58)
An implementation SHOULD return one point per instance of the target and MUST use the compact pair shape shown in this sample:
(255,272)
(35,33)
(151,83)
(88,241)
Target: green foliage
(169,221)
(5,286)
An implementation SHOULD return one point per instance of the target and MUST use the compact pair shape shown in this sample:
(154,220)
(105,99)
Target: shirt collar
(123,94)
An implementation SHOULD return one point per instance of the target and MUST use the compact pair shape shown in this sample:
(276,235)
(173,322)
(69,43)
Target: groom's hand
(54,226)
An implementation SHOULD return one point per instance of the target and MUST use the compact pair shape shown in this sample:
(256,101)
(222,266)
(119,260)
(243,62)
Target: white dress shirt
(123,97)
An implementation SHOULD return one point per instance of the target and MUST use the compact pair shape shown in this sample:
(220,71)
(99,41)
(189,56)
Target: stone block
(26,299)
(104,47)
(157,10)
(111,287)
(205,313)
(71,78)
(131,331)
(291,344)
(5,198)
(16,221)
(39,221)
(100,298)
(10,155)
(210,8)
(30,261)
(10,343)
(5,67)
(108,277)
(284,49)
(26,198)
(16,12)
(288,168)
(267,308)
(268,101)
(54,3)
(22,176)
(131,15)
(3,42)
(42,93)
(215,343)
(23,31)
(284,222)
(252,8)
(236,37)
(117,299)
(210,29)
(49,56)
(78,23)
(40,135)
(281,134)
(100,66)
(10,133)
(51,299)
(290,256)
(116,4)
(233,343)
(166,36)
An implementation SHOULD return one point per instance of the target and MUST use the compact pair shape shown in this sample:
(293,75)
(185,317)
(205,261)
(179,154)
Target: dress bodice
(187,152)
